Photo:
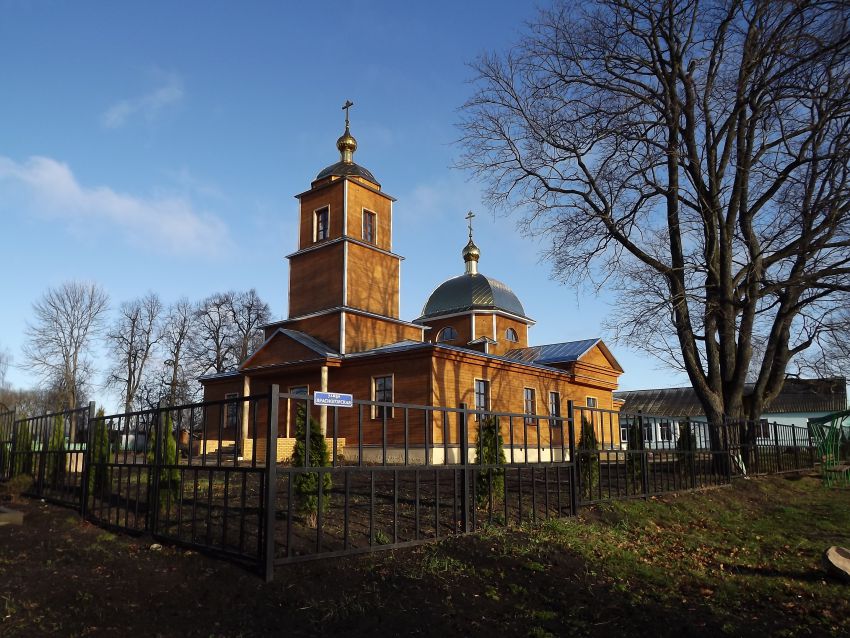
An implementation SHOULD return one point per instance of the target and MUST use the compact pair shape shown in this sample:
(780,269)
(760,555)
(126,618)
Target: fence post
(574,478)
(796,449)
(84,491)
(465,470)
(811,447)
(270,496)
(776,446)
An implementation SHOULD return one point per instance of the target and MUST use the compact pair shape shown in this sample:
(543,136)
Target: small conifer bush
(588,456)
(100,477)
(169,475)
(489,450)
(55,467)
(307,484)
(22,453)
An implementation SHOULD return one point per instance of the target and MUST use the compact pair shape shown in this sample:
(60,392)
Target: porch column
(323,411)
(243,426)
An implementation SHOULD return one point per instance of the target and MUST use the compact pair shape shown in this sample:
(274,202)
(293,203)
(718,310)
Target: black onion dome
(471,292)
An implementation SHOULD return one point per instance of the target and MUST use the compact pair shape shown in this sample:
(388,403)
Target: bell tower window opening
(446,335)
(511,335)
(369,226)
(320,224)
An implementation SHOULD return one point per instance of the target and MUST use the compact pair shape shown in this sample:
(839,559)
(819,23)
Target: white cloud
(46,187)
(169,93)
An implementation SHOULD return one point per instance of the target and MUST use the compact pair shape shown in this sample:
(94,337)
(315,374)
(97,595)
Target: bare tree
(5,362)
(249,313)
(58,345)
(692,155)
(177,332)
(213,347)
(131,341)
(32,401)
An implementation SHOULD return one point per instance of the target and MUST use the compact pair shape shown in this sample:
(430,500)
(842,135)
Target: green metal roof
(343,169)
(471,292)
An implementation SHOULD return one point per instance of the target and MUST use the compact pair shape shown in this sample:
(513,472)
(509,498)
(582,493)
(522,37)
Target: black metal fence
(271,479)
(763,447)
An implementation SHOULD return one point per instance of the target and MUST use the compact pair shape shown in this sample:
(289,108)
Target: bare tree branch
(696,156)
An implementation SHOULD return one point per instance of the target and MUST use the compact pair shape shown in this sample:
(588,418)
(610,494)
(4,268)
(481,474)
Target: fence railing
(273,478)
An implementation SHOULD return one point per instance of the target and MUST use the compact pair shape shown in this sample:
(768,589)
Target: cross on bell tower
(348,104)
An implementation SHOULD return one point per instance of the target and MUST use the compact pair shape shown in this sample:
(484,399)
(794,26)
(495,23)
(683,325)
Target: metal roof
(342,169)
(797,395)
(552,353)
(310,342)
(305,340)
(471,292)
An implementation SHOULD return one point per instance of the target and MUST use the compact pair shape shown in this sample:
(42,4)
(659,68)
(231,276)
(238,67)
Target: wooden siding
(325,328)
(360,198)
(484,326)
(461,323)
(332,197)
(454,381)
(364,333)
(503,345)
(216,390)
(279,350)
(316,280)
(444,378)
(373,281)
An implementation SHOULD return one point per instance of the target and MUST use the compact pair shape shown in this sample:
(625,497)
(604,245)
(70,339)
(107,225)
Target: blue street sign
(333,399)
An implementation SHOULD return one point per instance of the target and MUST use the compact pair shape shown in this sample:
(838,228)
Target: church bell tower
(344,278)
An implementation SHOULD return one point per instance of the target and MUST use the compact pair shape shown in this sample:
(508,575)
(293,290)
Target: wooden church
(344,332)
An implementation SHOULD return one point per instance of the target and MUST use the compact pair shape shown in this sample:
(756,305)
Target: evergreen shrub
(307,484)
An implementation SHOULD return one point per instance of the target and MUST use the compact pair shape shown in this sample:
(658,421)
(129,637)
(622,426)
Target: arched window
(511,335)
(446,334)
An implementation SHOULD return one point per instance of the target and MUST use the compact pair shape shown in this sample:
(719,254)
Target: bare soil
(61,576)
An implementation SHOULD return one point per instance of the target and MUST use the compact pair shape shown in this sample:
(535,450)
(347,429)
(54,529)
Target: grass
(750,551)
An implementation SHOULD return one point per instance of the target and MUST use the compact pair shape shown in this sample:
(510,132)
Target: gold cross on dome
(469,217)
(348,104)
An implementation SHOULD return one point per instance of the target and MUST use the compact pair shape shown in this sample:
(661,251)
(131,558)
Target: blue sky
(157,147)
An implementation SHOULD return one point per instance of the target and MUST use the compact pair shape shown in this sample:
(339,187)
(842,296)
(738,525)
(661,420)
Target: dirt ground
(61,576)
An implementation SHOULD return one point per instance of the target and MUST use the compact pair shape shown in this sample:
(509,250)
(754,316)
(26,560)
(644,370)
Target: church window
(529,405)
(382,392)
(555,408)
(511,335)
(482,396)
(369,226)
(446,334)
(231,417)
(320,224)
